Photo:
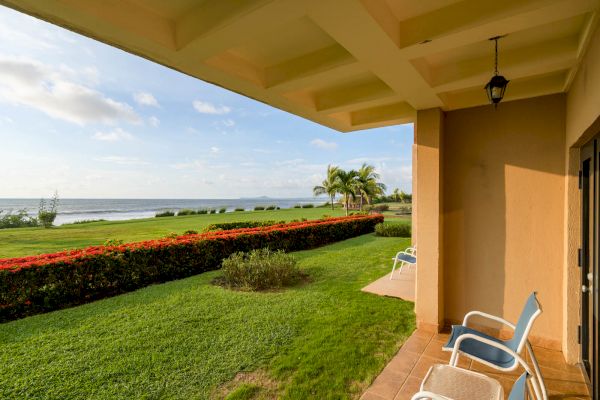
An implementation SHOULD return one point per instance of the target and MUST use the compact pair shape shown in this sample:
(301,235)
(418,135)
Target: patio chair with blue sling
(406,257)
(503,355)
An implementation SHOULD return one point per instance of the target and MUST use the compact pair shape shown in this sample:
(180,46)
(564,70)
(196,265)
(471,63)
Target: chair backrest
(530,312)
(519,389)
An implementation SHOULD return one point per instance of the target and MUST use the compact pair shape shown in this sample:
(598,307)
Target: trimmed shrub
(308,206)
(259,208)
(241,224)
(186,211)
(165,214)
(240,209)
(393,230)
(222,210)
(260,269)
(85,221)
(271,208)
(20,219)
(213,211)
(190,232)
(297,205)
(202,211)
(36,284)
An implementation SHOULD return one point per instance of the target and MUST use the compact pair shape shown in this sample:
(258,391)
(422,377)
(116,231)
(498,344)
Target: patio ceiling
(346,64)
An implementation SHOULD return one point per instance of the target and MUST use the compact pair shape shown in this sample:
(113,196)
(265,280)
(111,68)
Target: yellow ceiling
(346,64)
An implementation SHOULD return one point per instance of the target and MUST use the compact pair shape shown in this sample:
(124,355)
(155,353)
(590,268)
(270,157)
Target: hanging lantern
(497,85)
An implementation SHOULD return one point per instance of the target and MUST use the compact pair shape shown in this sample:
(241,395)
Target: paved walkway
(401,378)
(402,286)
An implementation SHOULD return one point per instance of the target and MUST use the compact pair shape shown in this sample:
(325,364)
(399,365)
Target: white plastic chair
(406,257)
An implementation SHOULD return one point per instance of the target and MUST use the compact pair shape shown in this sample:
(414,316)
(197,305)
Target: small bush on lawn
(213,211)
(20,219)
(297,205)
(202,211)
(113,242)
(259,208)
(271,208)
(190,232)
(240,209)
(167,213)
(260,269)
(308,206)
(222,210)
(85,221)
(186,211)
(392,230)
(47,214)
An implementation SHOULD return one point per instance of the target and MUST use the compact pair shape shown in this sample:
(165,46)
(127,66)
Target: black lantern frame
(496,87)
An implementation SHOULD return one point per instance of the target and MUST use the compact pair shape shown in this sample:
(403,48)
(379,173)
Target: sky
(91,121)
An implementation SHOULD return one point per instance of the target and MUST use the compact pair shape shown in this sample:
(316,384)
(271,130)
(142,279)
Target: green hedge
(37,284)
(241,224)
(393,230)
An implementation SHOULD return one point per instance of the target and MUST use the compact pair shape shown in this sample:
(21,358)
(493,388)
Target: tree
(367,184)
(329,185)
(347,185)
(396,194)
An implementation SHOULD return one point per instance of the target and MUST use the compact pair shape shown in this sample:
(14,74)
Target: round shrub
(240,209)
(165,214)
(259,208)
(186,211)
(393,230)
(222,210)
(308,205)
(260,269)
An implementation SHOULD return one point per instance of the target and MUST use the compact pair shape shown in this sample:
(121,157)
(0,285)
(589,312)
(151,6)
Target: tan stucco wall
(504,201)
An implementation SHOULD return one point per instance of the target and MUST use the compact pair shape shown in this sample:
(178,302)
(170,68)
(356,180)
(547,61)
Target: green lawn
(29,241)
(188,339)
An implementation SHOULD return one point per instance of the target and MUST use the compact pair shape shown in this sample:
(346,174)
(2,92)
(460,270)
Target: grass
(189,339)
(28,241)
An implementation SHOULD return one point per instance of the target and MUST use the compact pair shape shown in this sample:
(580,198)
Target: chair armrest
(488,316)
(489,342)
(427,395)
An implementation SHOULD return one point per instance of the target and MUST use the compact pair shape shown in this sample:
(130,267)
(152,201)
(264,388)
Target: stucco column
(427,179)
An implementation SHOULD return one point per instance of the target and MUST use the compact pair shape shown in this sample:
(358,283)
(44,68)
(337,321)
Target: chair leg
(393,268)
(539,379)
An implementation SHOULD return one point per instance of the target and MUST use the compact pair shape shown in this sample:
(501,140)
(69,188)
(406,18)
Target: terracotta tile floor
(401,378)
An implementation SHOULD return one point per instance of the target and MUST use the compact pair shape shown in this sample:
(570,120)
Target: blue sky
(92,121)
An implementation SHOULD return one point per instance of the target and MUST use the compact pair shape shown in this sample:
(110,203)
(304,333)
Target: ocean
(72,210)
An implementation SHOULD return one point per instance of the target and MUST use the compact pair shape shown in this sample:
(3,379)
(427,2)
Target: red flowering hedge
(36,284)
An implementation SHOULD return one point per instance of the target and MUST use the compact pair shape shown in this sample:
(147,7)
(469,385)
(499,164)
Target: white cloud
(145,99)
(50,90)
(204,107)
(228,122)
(115,135)
(322,144)
(122,160)
(214,150)
(155,122)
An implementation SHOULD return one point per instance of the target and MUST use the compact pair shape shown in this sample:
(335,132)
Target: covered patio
(505,199)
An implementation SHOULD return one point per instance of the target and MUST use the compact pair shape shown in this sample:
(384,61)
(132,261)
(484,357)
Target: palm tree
(396,194)
(329,185)
(367,183)
(346,185)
